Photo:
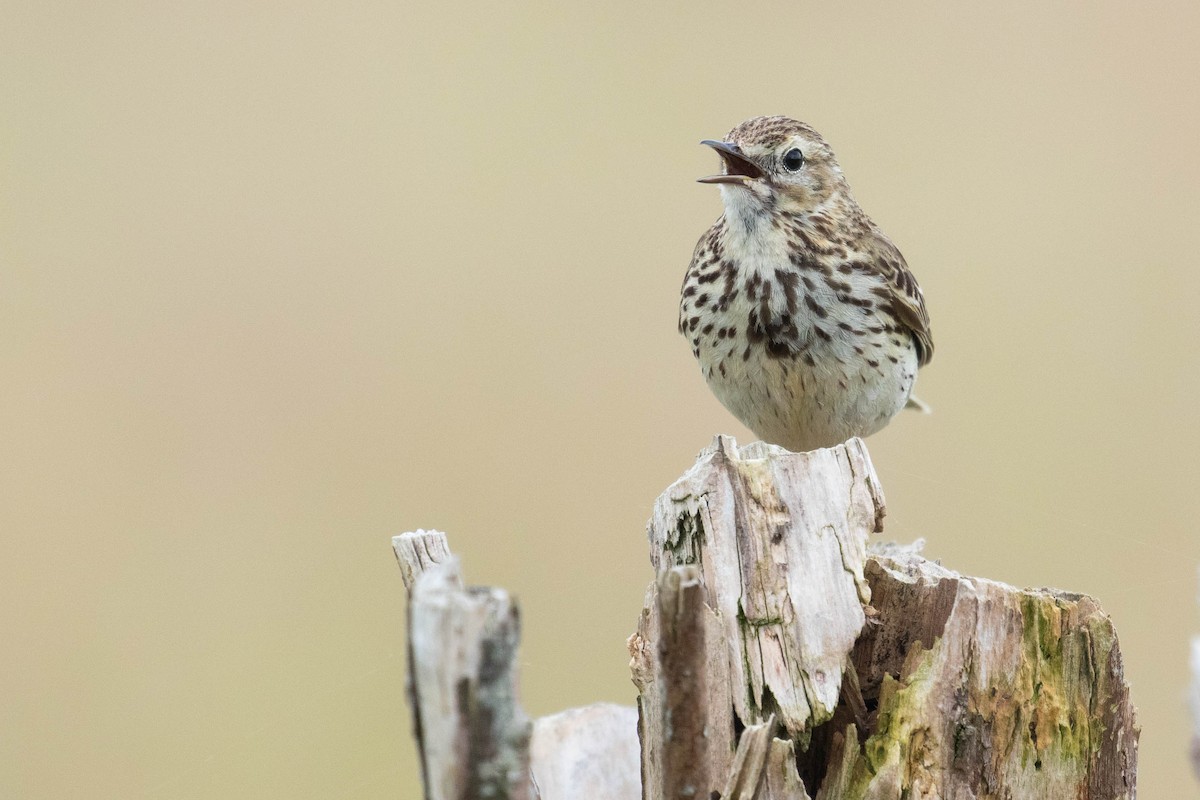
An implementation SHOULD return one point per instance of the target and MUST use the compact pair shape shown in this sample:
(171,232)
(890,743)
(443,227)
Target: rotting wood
(957,687)
(779,656)
(979,689)
(475,742)
(778,541)
(418,551)
(472,734)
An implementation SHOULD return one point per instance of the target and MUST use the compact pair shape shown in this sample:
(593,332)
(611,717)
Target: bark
(979,689)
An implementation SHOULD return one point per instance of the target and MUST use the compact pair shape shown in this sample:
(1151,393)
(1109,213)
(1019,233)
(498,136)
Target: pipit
(804,316)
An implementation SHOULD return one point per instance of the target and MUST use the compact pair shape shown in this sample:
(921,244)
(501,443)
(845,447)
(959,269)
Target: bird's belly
(802,406)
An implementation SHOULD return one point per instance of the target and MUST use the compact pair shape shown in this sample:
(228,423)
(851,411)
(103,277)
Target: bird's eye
(793,159)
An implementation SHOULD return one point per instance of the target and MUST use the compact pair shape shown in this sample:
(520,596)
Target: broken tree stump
(778,655)
(472,735)
(817,670)
(474,740)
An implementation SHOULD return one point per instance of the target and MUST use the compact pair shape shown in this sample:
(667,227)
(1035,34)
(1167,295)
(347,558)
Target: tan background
(281,280)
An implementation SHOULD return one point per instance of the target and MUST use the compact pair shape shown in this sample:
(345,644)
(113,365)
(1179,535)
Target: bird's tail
(917,404)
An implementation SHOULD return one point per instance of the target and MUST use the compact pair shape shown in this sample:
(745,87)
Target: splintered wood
(778,545)
(775,658)
(474,741)
(472,734)
(778,656)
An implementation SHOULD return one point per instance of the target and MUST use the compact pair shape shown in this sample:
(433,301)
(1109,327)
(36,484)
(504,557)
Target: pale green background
(279,280)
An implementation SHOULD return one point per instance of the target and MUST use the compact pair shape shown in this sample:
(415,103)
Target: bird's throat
(747,208)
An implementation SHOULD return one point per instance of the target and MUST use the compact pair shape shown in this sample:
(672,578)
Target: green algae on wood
(1021,694)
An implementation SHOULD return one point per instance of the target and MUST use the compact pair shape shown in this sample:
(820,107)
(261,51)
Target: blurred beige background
(278,281)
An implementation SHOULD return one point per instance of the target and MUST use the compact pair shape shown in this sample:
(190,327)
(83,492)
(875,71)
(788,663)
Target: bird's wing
(697,254)
(701,257)
(907,301)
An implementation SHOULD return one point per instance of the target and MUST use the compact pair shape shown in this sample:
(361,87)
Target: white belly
(850,371)
(801,407)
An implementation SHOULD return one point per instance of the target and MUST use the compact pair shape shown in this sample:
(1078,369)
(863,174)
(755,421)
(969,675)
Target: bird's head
(775,164)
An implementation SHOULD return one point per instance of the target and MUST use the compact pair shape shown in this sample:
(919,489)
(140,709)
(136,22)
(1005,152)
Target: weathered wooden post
(462,644)
(778,656)
(1194,698)
(474,741)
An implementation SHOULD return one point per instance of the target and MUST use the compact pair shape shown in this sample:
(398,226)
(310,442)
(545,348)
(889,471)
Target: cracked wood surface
(755,633)
(983,690)
(472,735)
(778,656)
(778,541)
(474,740)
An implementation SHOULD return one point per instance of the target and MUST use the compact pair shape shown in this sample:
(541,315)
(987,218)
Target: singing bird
(806,321)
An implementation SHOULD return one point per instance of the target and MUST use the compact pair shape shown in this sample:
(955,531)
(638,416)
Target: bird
(804,316)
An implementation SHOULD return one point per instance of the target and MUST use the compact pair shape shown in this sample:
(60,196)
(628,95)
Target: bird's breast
(796,347)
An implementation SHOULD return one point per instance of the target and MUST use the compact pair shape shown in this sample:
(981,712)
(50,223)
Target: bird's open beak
(738,168)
